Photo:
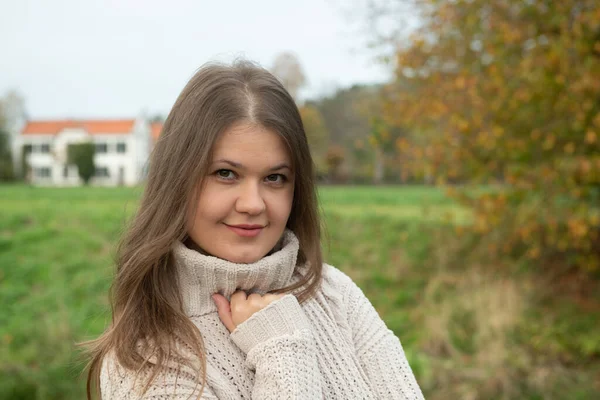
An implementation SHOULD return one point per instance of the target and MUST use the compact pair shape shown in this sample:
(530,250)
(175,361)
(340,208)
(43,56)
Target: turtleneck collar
(200,276)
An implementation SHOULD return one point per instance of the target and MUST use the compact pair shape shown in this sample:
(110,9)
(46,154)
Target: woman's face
(246,199)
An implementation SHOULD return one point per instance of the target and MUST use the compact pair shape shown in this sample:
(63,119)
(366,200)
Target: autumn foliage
(506,95)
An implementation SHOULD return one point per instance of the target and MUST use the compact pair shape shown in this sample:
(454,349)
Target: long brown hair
(147,310)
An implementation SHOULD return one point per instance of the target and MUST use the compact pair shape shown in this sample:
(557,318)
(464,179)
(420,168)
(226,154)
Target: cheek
(212,205)
(213,208)
(281,206)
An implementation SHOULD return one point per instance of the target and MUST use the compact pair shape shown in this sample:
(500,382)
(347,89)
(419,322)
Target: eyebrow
(240,166)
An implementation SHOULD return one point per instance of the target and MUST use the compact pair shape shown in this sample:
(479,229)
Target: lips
(247,226)
(246,230)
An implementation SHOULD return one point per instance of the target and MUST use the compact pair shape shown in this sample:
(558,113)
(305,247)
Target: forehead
(251,144)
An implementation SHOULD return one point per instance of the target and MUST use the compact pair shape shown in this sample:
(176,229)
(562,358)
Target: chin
(244,257)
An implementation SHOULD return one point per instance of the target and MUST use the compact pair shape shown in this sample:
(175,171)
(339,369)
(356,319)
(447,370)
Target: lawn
(57,245)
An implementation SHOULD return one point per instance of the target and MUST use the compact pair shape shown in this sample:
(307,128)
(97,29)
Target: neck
(201,275)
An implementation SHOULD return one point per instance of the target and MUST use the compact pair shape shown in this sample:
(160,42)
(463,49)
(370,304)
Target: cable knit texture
(333,346)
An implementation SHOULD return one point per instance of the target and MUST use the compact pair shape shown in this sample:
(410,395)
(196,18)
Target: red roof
(91,126)
(156,129)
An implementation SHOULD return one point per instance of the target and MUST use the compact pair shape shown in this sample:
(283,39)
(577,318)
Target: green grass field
(467,333)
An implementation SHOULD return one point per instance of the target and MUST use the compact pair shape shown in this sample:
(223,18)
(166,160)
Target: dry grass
(474,314)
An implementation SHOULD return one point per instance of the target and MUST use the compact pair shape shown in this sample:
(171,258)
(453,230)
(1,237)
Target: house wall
(119,159)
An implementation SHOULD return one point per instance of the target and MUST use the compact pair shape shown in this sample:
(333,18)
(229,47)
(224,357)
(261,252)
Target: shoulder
(117,381)
(343,291)
(177,376)
(337,280)
(339,288)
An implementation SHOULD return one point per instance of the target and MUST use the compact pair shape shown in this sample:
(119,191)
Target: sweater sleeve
(379,351)
(280,347)
(118,383)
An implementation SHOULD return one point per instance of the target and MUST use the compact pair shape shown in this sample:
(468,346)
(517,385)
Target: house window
(45,148)
(44,172)
(27,148)
(66,171)
(121,148)
(101,172)
(101,148)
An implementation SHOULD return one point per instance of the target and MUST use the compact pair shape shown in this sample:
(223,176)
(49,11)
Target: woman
(220,290)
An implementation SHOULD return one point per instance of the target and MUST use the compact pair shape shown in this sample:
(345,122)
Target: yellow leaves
(453,172)
(547,173)
(509,34)
(481,224)
(498,131)
(429,151)
(402,145)
(569,148)
(585,166)
(373,141)
(385,135)
(533,253)
(525,122)
(523,95)
(459,122)
(577,228)
(525,233)
(562,244)
(459,230)
(438,108)
(591,263)
(549,142)
(590,137)
(485,140)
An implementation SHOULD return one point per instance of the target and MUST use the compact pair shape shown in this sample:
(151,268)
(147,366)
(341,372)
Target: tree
(6,165)
(288,69)
(348,116)
(12,114)
(508,92)
(12,106)
(317,135)
(334,158)
(82,155)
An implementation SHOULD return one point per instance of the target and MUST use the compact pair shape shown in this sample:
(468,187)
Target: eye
(225,174)
(276,178)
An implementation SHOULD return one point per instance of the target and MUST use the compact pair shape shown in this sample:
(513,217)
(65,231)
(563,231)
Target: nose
(250,200)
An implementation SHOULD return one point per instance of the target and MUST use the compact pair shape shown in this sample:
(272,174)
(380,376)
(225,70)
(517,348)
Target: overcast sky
(114,58)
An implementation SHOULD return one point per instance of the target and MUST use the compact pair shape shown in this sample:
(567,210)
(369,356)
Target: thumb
(224,310)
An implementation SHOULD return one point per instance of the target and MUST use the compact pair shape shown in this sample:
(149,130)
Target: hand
(241,307)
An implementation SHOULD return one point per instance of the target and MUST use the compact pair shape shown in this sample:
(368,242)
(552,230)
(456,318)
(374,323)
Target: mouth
(246,230)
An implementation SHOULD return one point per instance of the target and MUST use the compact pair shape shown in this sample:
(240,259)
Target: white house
(122,150)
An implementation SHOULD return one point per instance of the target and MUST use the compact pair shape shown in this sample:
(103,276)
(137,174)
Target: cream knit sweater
(333,346)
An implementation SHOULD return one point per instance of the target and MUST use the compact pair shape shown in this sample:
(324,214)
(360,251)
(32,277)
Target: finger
(224,311)
(271,297)
(255,298)
(256,302)
(237,300)
(240,295)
